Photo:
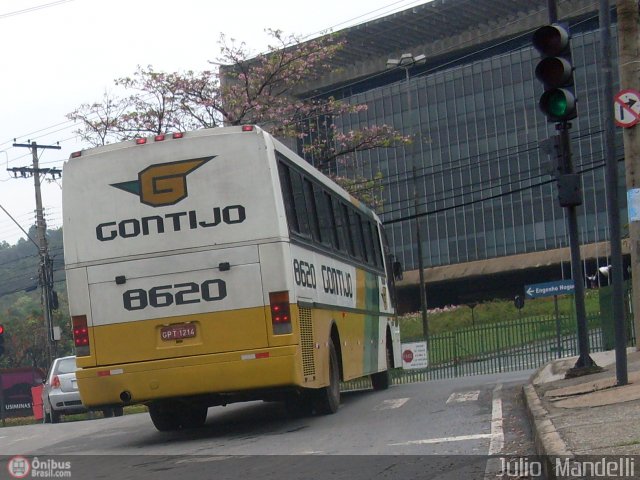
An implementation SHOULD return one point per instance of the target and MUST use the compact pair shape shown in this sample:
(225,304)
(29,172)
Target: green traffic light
(555,71)
(558,104)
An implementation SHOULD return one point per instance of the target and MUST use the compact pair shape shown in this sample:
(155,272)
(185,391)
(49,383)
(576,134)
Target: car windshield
(66,365)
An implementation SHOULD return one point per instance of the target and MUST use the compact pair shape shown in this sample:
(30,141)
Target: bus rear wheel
(382,380)
(170,415)
(327,399)
(298,405)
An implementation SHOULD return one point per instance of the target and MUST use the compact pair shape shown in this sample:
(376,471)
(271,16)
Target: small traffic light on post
(1,340)
(555,71)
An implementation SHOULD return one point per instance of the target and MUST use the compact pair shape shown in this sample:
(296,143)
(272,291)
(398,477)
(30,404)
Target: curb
(548,443)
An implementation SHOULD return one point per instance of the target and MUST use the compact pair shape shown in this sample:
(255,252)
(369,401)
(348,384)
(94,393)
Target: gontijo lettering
(172,222)
(334,280)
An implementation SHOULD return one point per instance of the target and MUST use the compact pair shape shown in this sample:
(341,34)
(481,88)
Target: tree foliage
(21,312)
(241,88)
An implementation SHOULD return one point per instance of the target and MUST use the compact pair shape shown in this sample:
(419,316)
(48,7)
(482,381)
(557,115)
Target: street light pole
(406,62)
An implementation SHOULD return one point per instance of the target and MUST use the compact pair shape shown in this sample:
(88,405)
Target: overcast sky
(59,54)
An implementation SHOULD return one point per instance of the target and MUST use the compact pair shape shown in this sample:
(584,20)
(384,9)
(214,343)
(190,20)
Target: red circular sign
(407,356)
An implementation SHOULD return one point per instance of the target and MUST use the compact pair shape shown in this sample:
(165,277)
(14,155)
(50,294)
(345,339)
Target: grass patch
(459,317)
(455,335)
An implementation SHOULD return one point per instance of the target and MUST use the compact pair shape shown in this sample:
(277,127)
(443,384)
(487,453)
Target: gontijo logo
(163,184)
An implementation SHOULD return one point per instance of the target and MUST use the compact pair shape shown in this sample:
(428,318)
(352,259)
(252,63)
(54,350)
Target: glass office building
(487,204)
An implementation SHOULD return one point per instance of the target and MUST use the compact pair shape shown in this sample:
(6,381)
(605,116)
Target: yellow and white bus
(216,266)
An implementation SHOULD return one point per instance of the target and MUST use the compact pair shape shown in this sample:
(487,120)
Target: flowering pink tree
(242,89)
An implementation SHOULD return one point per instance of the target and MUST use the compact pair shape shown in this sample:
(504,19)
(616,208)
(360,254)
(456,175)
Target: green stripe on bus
(371,323)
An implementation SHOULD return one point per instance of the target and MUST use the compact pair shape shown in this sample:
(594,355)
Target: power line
(441,11)
(472,202)
(33,9)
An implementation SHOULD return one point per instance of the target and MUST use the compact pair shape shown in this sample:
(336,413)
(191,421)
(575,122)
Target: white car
(60,395)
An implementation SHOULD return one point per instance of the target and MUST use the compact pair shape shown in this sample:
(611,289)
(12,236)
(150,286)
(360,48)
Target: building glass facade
(483,182)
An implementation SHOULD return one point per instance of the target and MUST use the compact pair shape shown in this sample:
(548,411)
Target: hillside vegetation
(20,308)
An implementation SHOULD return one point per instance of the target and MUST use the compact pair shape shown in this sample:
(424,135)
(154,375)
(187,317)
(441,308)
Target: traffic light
(1,340)
(555,71)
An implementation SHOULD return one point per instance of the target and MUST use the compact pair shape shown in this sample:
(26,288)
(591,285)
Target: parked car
(60,395)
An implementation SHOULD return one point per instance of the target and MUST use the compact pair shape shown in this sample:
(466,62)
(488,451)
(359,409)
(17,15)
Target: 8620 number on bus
(178,294)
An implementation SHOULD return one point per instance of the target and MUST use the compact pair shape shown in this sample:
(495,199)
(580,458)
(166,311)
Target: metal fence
(520,344)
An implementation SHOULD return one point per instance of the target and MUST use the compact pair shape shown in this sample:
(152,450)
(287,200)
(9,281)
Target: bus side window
(300,204)
(369,241)
(340,226)
(391,265)
(355,226)
(328,234)
(348,231)
(376,244)
(312,213)
(287,195)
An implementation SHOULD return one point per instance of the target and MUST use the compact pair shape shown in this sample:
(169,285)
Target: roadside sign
(633,204)
(627,108)
(549,289)
(414,355)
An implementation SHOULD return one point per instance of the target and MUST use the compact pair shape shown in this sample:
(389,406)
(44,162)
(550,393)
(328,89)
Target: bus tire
(165,416)
(298,405)
(382,380)
(193,416)
(328,398)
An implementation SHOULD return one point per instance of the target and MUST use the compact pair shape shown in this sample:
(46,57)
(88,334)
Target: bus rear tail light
(280,312)
(81,335)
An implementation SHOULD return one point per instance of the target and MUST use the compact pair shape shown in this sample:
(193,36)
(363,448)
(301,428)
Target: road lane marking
(217,458)
(497,432)
(391,404)
(459,438)
(464,397)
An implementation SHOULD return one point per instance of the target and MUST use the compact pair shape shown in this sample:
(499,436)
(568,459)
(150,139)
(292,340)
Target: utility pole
(406,62)
(613,204)
(45,269)
(628,60)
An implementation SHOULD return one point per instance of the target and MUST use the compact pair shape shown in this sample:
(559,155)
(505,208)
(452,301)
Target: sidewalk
(587,415)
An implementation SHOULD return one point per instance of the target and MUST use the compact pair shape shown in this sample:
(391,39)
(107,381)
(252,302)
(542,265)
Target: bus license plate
(178,332)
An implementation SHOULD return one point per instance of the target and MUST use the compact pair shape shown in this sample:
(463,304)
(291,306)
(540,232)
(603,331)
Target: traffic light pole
(585,363)
(558,103)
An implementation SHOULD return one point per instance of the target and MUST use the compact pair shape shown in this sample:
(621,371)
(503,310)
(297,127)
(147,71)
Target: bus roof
(290,154)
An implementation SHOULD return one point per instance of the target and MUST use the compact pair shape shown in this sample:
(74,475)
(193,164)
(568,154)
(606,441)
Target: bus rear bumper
(189,376)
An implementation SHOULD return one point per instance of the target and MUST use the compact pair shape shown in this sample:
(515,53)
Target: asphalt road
(435,430)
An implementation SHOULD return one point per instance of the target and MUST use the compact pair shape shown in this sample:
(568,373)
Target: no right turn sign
(627,108)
